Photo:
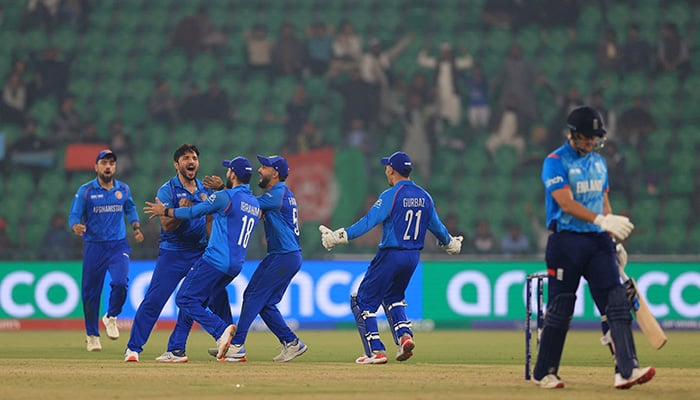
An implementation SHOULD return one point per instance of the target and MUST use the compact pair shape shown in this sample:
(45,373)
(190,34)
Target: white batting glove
(619,226)
(455,245)
(621,256)
(330,238)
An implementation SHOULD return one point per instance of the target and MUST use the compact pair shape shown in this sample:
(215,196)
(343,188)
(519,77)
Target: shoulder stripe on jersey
(552,155)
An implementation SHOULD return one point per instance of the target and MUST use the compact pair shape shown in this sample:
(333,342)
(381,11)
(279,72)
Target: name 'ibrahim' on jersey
(236,213)
(406,212)
(586,176)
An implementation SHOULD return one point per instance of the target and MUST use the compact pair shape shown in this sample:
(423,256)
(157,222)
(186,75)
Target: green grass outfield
(455,364)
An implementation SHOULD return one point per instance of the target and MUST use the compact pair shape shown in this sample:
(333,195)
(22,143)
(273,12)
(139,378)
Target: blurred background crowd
(476,91)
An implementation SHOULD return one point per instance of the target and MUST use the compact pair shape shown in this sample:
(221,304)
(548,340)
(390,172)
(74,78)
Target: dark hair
(185,148)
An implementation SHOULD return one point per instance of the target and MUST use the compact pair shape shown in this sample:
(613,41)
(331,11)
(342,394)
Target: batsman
(583,227)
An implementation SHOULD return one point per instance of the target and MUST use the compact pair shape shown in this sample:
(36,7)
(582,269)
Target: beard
(263,182)
(105,178)
(229,183)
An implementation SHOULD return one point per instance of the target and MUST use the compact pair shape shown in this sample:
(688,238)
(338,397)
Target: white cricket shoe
(376,358)
(131,356)
(93,343)
(111,327)
(224,341)
(550,381)
(405,348)
(291,351)
(638,377)
(235,353)
(175,356)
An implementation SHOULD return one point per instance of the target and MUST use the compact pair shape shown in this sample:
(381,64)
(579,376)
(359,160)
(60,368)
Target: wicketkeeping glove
(619,226)
(330,239)
(455,245)
(621,256)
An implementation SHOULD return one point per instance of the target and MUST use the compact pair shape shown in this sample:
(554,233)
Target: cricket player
(406,212)
(580,217)
(236,212)
(280,215)
(182,243)
(97,215)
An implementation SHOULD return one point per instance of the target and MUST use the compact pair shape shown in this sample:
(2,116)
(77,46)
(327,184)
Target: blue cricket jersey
(406,212)
(586,176)
(102,211)
(236,213)
(191,234)
(281,219)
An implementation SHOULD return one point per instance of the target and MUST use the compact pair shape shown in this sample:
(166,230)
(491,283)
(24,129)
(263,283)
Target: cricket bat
(647,323)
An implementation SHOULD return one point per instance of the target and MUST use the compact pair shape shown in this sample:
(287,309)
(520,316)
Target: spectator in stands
(161,104)
(376,68)
(355,92)
(517,77)
(7,246)
(288,52)
(509,131)
(452,225)
(319,48)
(215,103)
(40,14)
(31,80)
(298,111)
(308,138)
(359,137)
(58,243)
(541,232)
(478,107)
(258,52)
(637,52)
(89,134)
(635,123)
(54,73)
(14,101)
(557,131)
(609,116)
(419,85)
(446,75)
(192,106)
(672,51)
(67,124)
(419,122)
(31,152)
(617,170)
(483,242)
(347,49)
(514,242)
(196,34)
(608,54)
(120,143)
(74,13)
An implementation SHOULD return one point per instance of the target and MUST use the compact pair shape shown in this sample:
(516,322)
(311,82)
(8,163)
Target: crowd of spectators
(446,89)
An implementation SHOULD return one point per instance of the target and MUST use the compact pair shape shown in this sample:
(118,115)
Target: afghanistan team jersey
(406,212)
(102,211)
(586,176)
(281,219)
(236,213)
(191,234)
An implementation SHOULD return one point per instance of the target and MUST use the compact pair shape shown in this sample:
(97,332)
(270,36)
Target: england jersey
(586,176)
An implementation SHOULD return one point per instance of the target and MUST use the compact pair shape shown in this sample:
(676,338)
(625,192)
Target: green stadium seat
(633,85)
(681,182)
(677,209)
(666,85)
(173,65)
(272,138)
(43,111)
(670,239)
(203,67)
(645,212)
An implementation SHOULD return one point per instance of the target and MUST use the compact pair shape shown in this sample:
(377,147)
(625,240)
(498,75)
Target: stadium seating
(127,44)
